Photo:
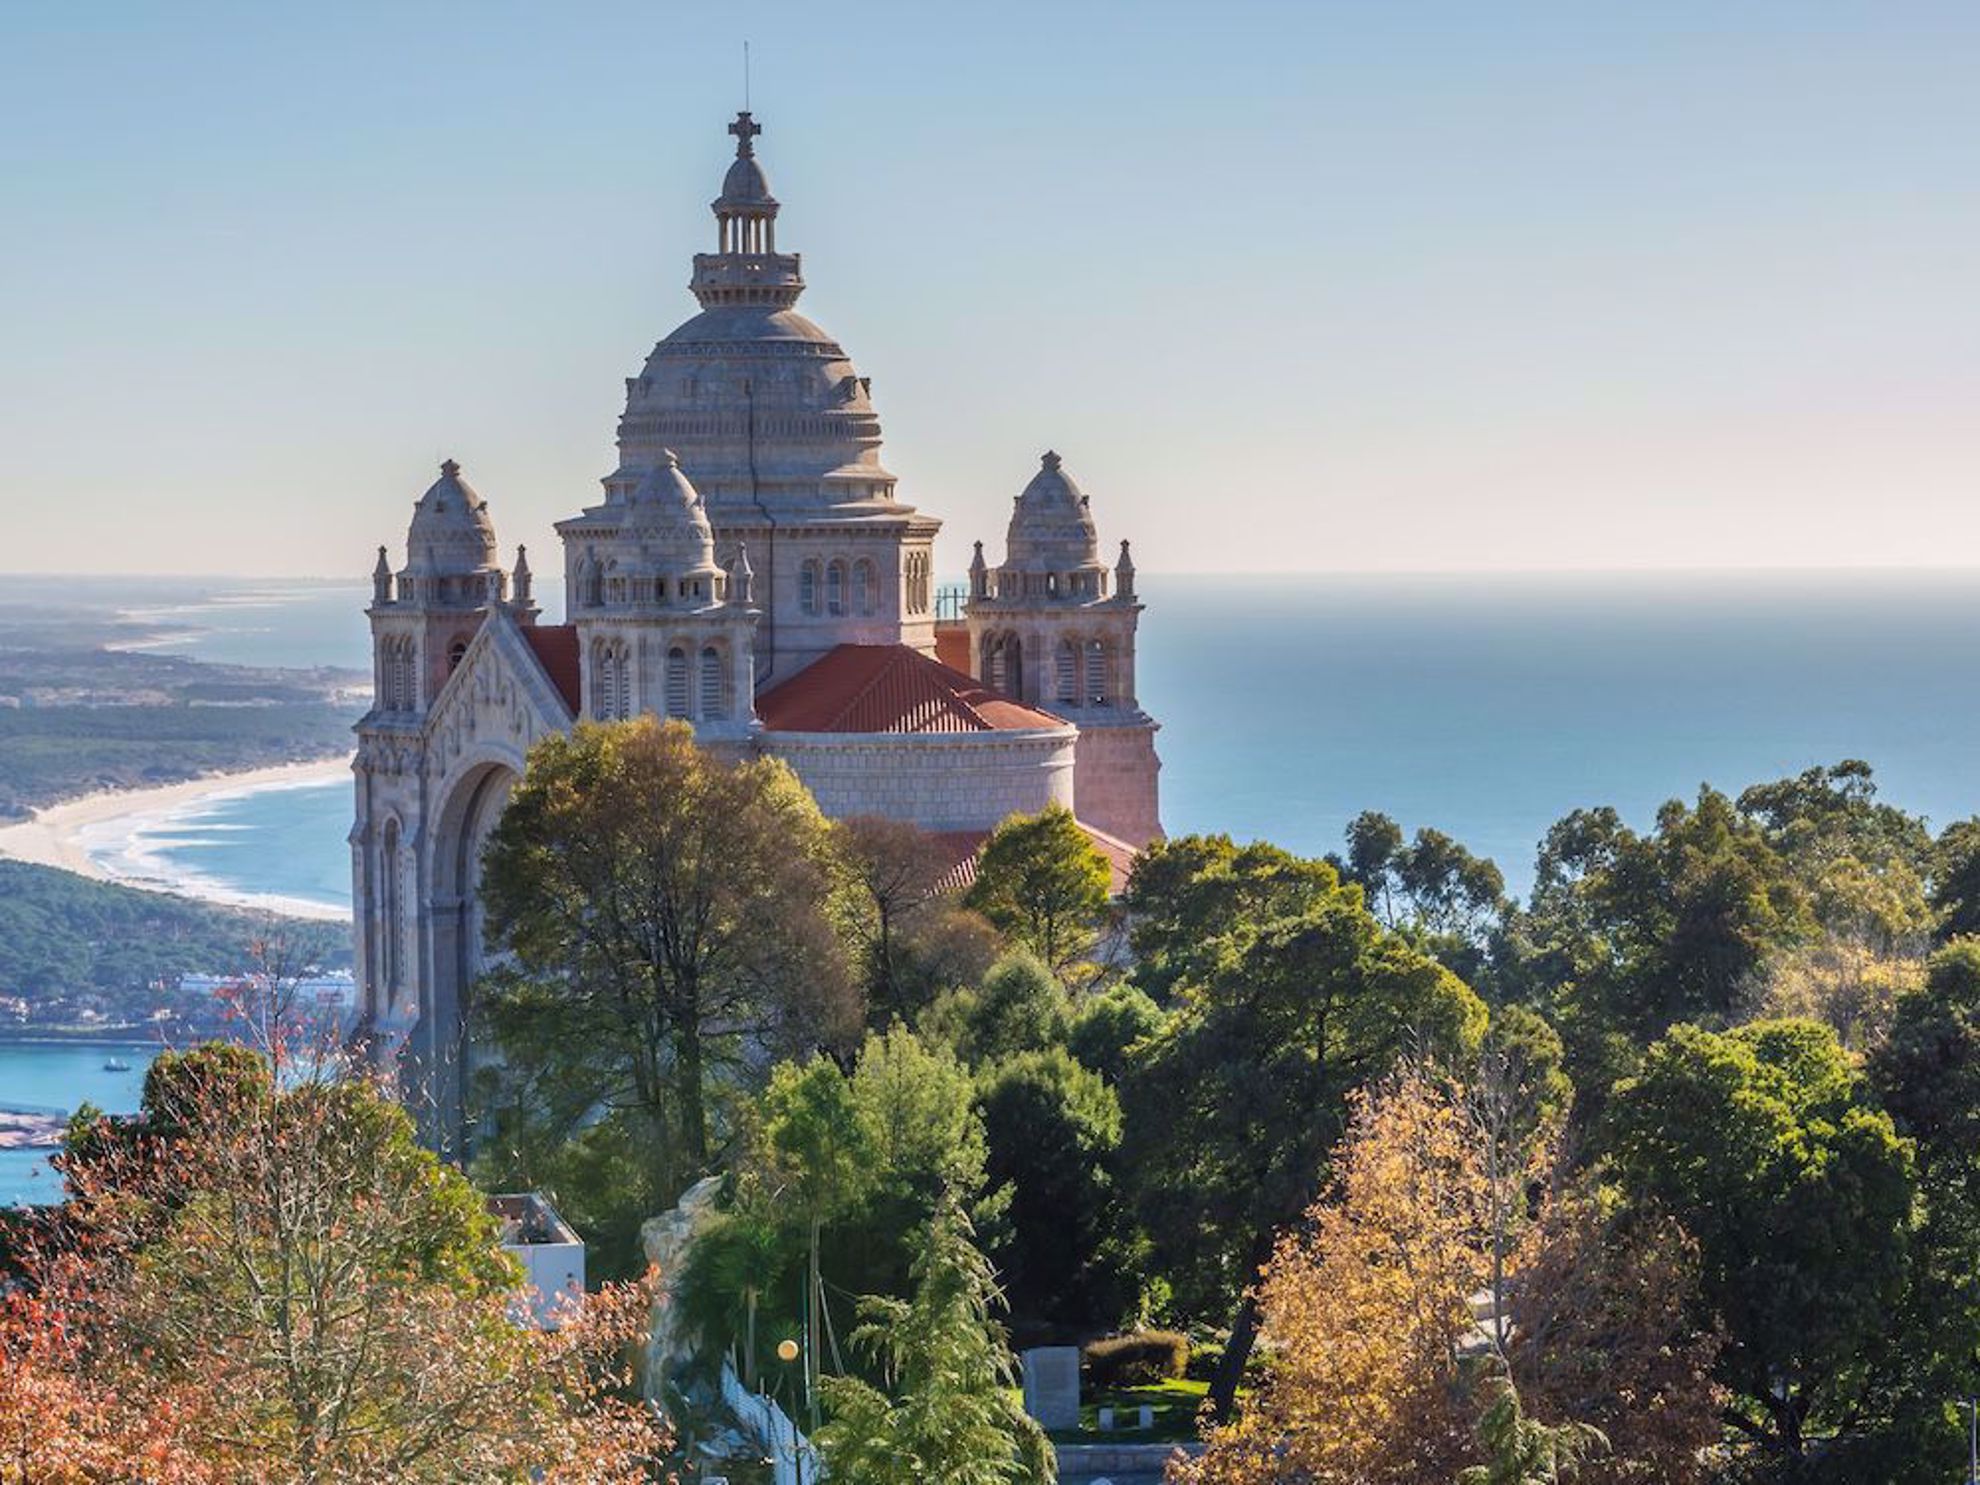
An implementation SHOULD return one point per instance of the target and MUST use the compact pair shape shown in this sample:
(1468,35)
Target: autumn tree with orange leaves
(271,1281)
(1380,1371)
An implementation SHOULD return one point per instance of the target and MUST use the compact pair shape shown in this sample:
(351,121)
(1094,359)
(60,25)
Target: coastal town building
(752,569)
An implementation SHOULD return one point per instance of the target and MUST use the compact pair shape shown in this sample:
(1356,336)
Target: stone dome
(664,518)
(1052,526)
(746,184)
(764,408)
(451,531)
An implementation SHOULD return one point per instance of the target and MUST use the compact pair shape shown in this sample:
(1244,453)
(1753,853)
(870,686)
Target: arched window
(677,682)
(390,928)
(1099,683)
(1065,664)
(835,588)
(456,652)
(808,587)
(714,684)
(1003,664)
(400,682)
(601,680)
(863,586)
(622,678)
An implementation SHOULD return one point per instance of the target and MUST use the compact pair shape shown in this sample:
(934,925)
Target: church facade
(752,569)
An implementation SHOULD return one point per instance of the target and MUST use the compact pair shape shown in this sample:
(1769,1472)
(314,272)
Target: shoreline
(76,834)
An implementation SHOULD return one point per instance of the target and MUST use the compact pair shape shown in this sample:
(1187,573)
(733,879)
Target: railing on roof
(949,601)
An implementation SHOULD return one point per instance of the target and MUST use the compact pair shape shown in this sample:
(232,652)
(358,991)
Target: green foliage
(61,933)
(946,1412)
(814,1133)
(1956,879)
(1188,893)
(1044,885)
(1432,888)
(1234,1110)
(1109,1026)
(669,914)
(1143,1359)
(1522,1451)
(1799,1192)
(1019,1007)
(1629,934)
(1063,1245)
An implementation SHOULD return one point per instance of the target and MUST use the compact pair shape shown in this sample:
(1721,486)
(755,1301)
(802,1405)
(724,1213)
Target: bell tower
(1051,627)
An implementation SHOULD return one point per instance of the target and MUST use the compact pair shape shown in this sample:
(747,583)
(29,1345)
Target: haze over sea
(1487,707)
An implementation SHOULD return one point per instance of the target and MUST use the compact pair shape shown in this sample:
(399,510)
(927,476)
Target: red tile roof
(952,644)
(890,688)
(556,646)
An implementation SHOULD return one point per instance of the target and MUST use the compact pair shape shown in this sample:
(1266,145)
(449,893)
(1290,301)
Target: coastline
(80,835)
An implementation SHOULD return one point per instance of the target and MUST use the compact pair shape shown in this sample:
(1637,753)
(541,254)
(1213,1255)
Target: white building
(751,568)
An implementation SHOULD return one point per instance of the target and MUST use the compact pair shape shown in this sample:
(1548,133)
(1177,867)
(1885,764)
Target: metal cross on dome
(745,129)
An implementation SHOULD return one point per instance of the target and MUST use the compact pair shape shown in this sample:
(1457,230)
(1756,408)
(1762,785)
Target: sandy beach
(72,835)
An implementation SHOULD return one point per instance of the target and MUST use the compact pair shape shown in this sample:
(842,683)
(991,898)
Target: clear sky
(1387,285)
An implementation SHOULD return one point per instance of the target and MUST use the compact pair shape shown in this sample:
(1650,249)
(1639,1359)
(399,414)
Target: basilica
(752,569)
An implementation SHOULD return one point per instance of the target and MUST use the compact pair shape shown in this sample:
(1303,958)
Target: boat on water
(116,1064)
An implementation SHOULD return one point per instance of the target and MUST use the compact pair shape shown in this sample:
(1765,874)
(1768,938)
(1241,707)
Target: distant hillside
(63,936)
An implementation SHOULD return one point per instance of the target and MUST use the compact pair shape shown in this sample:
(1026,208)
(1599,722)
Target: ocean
(37,1076)
(1486,707)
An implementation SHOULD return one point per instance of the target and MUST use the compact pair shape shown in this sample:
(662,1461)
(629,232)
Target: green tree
(1186,895)
(1764,1144)
(1433,889)
(1956,879)
(1063,1251)
(1044,884)
(1629,934)
(824,1165)
(947,1413)
(1524,1451)
(1109,1026)
(910,940)
(1019,1007)
(669,916)
(1234,1107)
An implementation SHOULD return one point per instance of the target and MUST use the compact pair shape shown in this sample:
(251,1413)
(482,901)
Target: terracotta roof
(556,646)
(964,846)
(890,688)
(952,644)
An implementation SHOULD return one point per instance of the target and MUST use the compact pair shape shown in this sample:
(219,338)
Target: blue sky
(1376,286)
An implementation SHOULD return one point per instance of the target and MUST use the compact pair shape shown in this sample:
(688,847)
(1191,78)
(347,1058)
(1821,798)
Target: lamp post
(1973,1441)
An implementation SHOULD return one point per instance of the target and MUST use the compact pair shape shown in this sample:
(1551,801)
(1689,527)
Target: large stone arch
(470,800)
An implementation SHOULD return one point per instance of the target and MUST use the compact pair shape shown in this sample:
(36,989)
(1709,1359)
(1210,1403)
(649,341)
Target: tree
(815,1136)
(1377,1370)
(947,1414)
(669,915)
(1764,1145)
(1432,888)
(1186,895)
(277,1283)
(1044,884)
(909,939)
(1108,1028)
(1629,934)
(1235,1105)
(1522,1451)
(1063,1252)
(1366,1308)
(1956,879)
(1019,1007)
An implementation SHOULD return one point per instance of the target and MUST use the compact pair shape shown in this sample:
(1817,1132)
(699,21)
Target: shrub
(1142,1359)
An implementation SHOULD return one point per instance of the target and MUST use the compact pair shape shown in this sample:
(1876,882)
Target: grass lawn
(1175,1405)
